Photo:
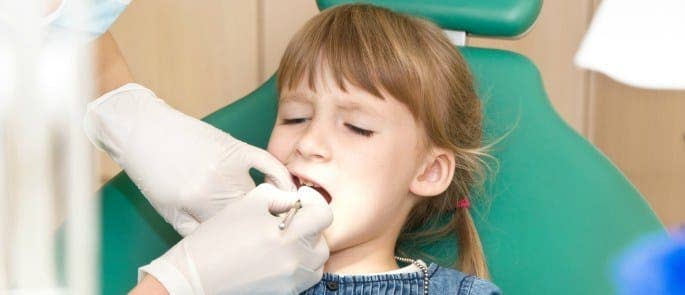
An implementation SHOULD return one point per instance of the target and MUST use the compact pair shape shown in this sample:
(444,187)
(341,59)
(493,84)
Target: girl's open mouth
(306,182)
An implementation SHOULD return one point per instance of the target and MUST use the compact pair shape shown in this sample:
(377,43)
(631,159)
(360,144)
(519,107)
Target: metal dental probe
(289,216)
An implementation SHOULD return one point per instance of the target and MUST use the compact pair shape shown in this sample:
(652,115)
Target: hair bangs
(357,47)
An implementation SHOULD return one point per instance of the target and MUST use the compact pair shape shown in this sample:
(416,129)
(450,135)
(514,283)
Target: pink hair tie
(464,203)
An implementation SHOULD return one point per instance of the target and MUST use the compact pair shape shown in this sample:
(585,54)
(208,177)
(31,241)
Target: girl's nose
(313,144)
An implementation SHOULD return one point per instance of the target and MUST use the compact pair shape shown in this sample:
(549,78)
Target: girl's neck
(374,256)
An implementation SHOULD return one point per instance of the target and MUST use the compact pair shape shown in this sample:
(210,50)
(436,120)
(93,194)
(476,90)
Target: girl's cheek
(282,143)
(276,145)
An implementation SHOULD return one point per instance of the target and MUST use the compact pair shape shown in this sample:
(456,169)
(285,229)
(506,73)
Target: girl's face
(363,151)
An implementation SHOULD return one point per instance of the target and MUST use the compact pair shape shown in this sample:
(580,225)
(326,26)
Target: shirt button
(332,286)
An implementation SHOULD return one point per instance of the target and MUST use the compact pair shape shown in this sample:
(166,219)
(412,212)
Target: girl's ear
(435,174)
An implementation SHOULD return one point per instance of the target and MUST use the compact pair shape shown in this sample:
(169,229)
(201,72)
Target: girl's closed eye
(293,121)
(360,131)
(355,129)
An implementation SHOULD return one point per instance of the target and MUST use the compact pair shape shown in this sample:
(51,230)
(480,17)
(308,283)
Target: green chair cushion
(500,18)
(559,209)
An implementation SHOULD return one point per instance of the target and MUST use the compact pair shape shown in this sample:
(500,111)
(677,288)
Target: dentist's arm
(241,248)
(149,286)
(110,68)
(51,6)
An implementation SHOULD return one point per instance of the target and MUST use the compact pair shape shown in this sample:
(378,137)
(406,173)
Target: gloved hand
(186,168)
(96,19)
(241,250)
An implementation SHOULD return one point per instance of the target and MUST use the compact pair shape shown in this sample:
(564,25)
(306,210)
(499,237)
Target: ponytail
(421,230)
(471,258)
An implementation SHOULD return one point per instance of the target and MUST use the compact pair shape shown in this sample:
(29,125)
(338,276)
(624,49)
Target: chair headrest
(497,18)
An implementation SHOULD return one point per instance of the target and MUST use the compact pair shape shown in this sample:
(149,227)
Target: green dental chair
(557,210)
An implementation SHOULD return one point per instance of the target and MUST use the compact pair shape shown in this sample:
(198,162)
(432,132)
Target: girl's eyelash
(293,121)
(355,129)
(359,131)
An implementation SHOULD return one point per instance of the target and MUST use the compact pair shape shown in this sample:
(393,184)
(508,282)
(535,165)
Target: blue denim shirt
(441,281)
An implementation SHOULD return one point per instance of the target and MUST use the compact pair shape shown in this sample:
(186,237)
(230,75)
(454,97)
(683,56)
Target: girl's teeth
(308,184)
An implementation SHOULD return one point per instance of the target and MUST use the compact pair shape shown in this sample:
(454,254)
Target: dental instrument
(289,216)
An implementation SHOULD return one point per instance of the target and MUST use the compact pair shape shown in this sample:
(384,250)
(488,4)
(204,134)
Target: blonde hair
(411,59)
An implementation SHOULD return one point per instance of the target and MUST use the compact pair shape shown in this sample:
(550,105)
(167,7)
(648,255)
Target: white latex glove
(241,250)
(186,168)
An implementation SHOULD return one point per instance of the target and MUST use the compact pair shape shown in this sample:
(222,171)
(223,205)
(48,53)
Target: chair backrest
(557,209)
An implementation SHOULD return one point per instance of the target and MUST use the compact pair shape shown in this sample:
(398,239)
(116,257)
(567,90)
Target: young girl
(378,112)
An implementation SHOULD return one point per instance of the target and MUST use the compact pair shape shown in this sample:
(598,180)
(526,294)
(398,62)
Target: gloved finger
(185,223)
(282,202)
(322,251)
(306,278)
(278,201)
(272,168)
(317,251)
(312,256)
(314,216)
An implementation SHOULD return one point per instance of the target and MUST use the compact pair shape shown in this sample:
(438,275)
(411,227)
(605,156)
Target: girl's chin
(332,239)
(337,238)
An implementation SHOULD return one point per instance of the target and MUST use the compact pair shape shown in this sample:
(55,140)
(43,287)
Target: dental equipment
(289,216)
